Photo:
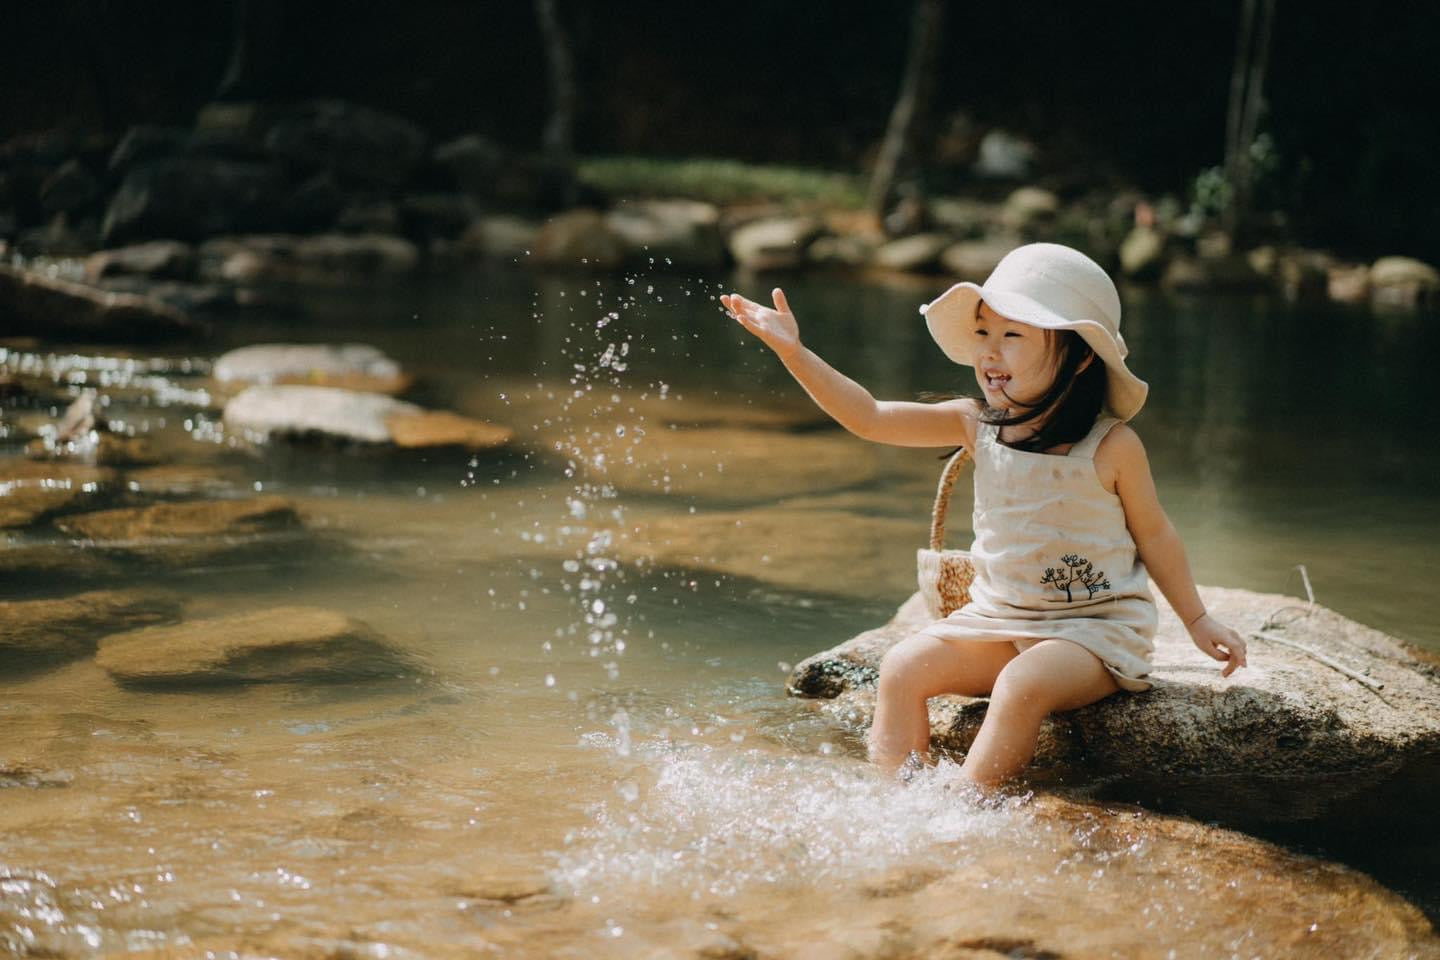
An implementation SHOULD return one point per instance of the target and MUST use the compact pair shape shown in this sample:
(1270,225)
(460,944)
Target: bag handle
(942,497)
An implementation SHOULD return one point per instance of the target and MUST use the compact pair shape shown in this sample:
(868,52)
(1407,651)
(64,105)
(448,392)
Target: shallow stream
(599,758)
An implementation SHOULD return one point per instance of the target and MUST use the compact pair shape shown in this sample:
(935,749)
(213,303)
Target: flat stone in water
(279,644)
(179,480)
(265,411)
(29,491)
(352,366)
(1287,737)
(189,520)
(70,626)
(440,428)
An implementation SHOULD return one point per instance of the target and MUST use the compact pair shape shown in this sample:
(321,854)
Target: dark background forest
(1110,91)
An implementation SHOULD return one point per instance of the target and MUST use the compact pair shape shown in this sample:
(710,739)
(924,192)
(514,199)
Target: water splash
(716,820)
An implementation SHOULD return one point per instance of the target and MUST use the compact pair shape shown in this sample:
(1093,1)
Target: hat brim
(950,319)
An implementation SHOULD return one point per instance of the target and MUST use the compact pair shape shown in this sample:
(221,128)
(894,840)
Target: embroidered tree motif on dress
(1076,571)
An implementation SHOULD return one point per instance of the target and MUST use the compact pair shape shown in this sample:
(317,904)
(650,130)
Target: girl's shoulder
(1120,453)
(969,409)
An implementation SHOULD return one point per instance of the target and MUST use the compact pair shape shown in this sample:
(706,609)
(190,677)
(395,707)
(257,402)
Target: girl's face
(1014,362)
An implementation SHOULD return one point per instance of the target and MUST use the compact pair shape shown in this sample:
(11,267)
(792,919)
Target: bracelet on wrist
(1198,617)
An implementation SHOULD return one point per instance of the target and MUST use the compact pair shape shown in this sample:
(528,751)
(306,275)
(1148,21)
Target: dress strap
(1085,449)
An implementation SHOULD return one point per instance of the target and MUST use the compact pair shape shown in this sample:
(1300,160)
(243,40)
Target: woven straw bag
(944,575)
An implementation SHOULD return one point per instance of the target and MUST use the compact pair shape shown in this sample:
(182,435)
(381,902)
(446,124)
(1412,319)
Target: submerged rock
(70,626)
(266,411)
(30,491)
(40,305)
(1289,736)
(182,521)
(815,551)
(353,366)
(281,644)
(95,446)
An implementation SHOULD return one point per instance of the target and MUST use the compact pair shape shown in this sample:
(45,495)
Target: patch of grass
(719,181)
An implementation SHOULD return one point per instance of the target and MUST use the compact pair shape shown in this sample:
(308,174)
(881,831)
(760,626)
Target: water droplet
(549,679)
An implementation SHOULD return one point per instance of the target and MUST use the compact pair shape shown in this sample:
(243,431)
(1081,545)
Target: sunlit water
(599,758)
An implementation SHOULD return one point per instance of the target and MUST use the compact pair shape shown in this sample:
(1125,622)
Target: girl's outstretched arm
(903,424)
(1121,459)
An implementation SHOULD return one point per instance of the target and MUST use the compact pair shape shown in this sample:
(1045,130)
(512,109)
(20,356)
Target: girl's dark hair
(1068,409)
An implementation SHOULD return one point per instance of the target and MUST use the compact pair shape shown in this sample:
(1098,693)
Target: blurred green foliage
(719,181)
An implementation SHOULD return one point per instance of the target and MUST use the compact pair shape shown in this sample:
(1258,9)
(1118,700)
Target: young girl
(1067,523)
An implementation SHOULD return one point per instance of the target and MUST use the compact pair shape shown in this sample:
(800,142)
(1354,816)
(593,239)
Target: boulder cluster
(324,190)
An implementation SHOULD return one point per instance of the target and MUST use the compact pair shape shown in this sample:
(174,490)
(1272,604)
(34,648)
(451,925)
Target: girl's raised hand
(777,327)
(1220,642)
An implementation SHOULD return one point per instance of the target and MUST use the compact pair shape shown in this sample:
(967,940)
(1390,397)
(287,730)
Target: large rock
(183,521)
(194,197)
(298,411)
(353,142)
(281,644)
(772,243)
(39,305)
(30,491)
(70,626)
(1403,282)
(1287,737)
(679,232)
(70,188)
(353,366)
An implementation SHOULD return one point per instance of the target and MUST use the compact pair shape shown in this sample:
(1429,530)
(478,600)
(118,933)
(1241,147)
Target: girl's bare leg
(1051,676)
(913,671)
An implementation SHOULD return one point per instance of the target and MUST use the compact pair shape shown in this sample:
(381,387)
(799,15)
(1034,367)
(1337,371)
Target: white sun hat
(1051,286)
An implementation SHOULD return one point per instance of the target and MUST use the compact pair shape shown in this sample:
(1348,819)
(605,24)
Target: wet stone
(353,366)
(296,411)
(280,644)
(105,449)
(196,518)
(70,626)
(30,491)
(63,309)
(1288,737)
(441,428)
(171,480)
(266,411)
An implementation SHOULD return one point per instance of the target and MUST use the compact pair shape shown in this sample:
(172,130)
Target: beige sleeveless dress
(1053,559)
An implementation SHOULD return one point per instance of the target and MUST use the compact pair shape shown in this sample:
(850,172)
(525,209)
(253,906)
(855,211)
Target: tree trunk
(1247,101)
(557,143)
(911,112)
